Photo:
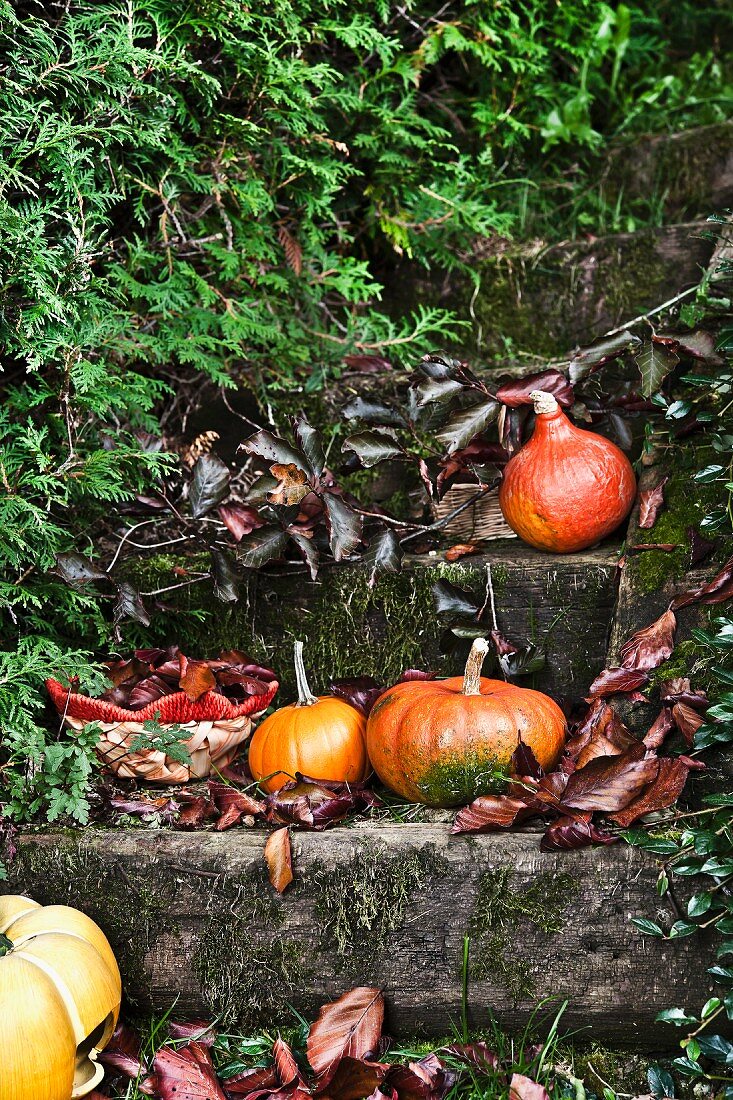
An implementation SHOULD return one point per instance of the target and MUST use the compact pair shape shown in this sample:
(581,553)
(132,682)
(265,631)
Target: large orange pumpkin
(322,737)
(441,742)
(60,996)
(567,488)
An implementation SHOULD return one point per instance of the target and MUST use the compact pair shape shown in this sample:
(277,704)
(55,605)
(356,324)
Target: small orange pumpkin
(567,488)
(322,737)
(441,742)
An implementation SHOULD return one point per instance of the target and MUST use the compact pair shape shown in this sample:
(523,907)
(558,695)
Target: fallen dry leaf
(663,792)
(461,550)
(610,783)
(279,860)
(479,1056)
(717,590)
(687,721)
(427,1079)
(613,681)
(524,1088)
(491,812)
(658,731)
(240,519)
(650,501)
(196,678)
(349,1027)
(292,484)
(601,733)
(648,648)
(568,833)
(186,1074)
(355,1078)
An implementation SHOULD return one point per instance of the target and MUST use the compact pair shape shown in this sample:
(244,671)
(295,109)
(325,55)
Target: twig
(183,584)
(651,313)
(124,539)
(451,515)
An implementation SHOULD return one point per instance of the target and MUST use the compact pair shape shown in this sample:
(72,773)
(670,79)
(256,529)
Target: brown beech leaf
(287,1068)
(195,811)
(657,733)
(355,1078)
(186,1074)
(663,792)
(360,692)
(279,860)
(292,484)
(601,733)
(700,548)
(569,833)
(610,783)
(491,812)
(524,762)
(650,501)
(427,1079)
(479,1056)
(461,550)
(666,547)
(349,1027)
(233,805)
(196,677)
(648,648)
(687,721)
(123,1055)
(717,590)
(255,1081)
(316,804)
(552,381)
(615,680)
(680,690)
(524,1088)
(240,519)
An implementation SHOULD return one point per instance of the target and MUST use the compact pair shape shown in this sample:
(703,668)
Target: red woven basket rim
(170,708)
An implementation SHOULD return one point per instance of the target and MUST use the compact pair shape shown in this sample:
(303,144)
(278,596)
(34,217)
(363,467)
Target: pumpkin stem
(5,945)
(306,698)
(474,664)
(543,401)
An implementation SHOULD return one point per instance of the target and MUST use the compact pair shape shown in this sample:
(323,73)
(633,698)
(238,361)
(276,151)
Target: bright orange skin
(324,740)
(432,744)
(567,488)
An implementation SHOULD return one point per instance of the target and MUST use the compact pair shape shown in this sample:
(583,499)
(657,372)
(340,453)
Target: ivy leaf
(372,447)
(661,1084)
(270,447)
(226,586)
(464,425)
(311,444)
(262,546)
(654,361)
(129,605)
(76,570)
(209,485)
(344,526)
(452,600)
(384,555)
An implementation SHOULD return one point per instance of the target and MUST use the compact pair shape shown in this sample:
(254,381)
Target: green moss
(639,276)
(245,967)
(361,903)
(131,912)
(499,913)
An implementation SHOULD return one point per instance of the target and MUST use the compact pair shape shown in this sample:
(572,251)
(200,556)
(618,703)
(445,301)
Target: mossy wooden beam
(351,629)
(194,921)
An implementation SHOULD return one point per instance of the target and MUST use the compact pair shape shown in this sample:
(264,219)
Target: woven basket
(218,730)
(481,522)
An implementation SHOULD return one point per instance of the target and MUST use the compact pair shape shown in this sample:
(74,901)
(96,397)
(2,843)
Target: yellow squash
(60,992)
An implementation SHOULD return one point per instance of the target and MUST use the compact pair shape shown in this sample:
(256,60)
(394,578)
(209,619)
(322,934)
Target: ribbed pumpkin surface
(432,744)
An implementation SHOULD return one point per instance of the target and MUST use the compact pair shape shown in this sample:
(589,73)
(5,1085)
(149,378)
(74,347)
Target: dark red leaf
(601,733)
(427,1079)
(517,393)
(658,731)
(233,805)
(717,590)
(416,674)
(663,792)
(479,1056)
(614,680)
(524,1088)
(524,761)
(256,1081)
(491,812)
(349,1027)
(287,1068)
(186,1074)
(666,547)
(147,691)
(700,548)
(502,645)
(687,721)
(568,833)
(240,519)
(279,860)
(355,1078)
(648,648)
(316,804)
(610,783)
(650,501)
(367,364)
(679,690)
(166,808)
(195,811)
(360,692)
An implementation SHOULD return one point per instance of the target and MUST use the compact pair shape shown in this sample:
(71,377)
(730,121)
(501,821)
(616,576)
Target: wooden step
(194,922)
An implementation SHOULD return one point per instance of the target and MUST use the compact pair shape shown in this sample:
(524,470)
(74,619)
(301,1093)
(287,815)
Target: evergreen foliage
(202,192)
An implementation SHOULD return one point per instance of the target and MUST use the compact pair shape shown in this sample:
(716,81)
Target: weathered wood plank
(193,920)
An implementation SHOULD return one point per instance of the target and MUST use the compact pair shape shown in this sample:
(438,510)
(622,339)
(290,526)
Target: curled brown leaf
(279,860)
(650,502)
(648,648)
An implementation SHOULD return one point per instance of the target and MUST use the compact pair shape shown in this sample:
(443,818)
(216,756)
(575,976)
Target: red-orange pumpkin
(567,488)
(321,737)
(441,742)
